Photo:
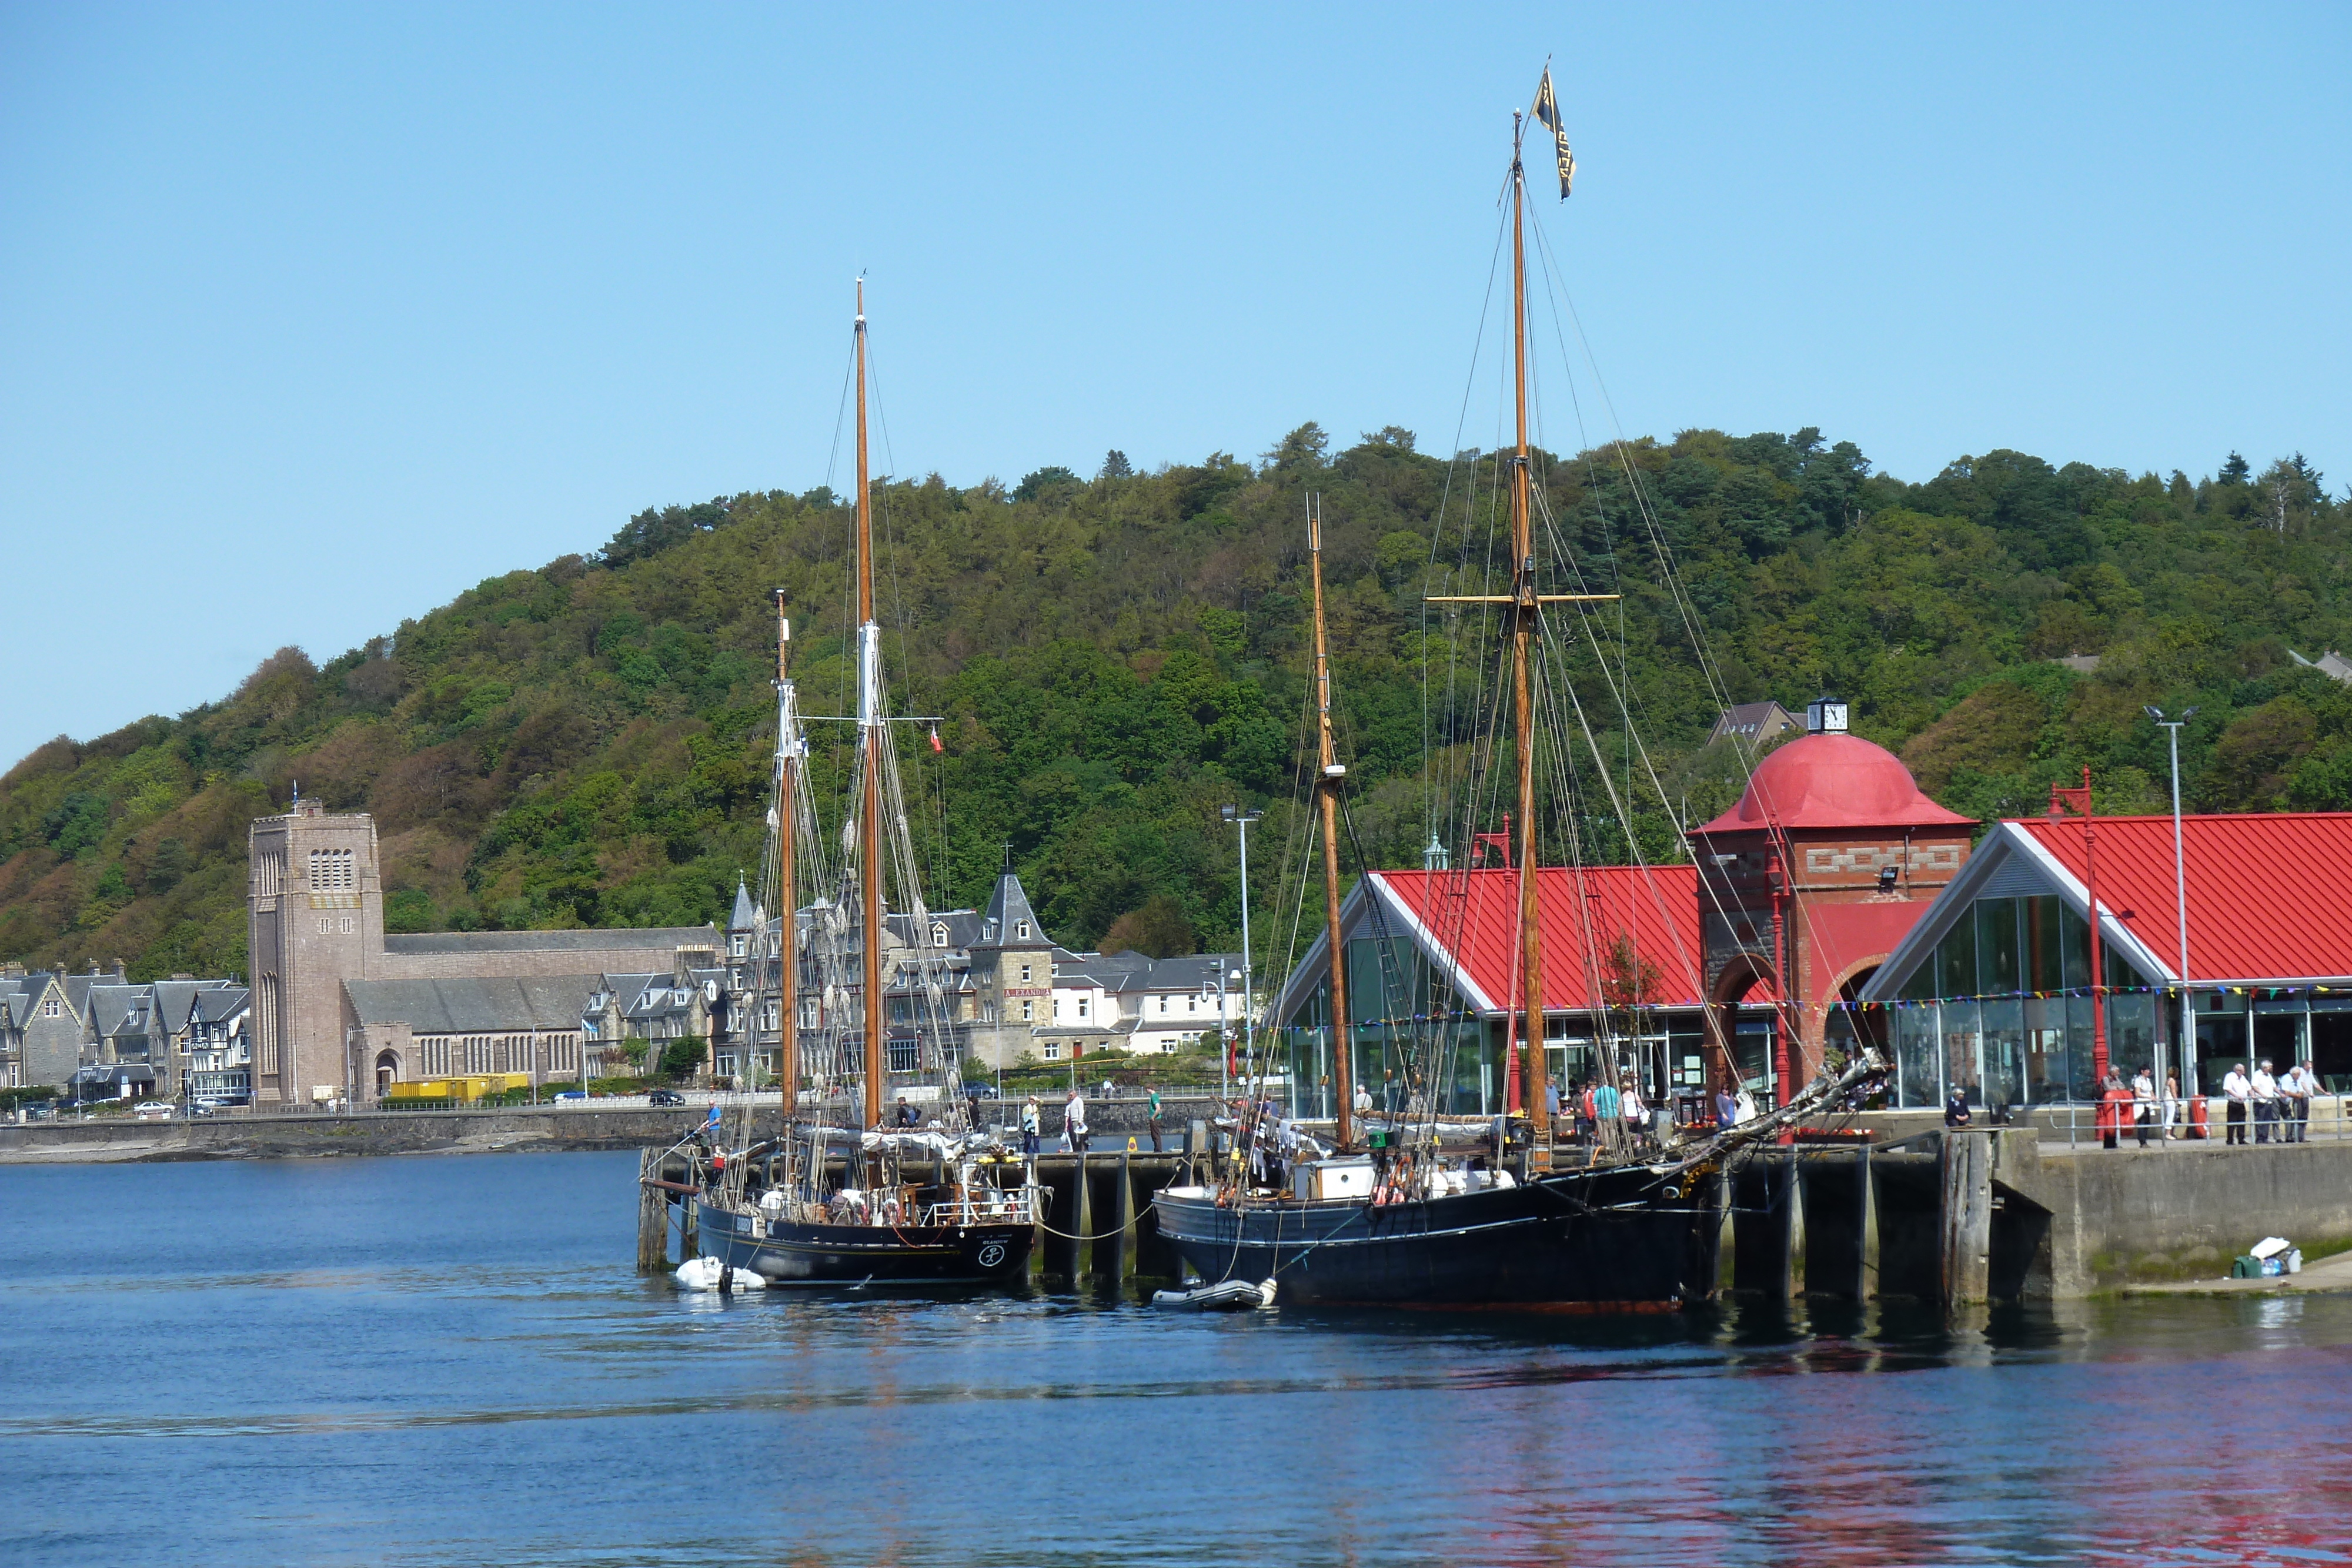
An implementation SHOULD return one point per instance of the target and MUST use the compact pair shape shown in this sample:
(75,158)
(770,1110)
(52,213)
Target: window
(1082,1008)
(1021,929)
(735,944)
(331,871)
(49,1008)
(1027,1012)
(938,936)
(1053,1051)
(1024,974)
(1163,1004)
(351,923)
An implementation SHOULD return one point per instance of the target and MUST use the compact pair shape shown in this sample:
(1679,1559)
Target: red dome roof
(1832,780)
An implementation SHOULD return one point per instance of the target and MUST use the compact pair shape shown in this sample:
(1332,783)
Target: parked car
(152,1110)
(665,1097)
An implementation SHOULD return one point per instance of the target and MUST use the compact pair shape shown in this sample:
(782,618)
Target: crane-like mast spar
(869,738)
(1527,614)
(1330,774)
(788,750)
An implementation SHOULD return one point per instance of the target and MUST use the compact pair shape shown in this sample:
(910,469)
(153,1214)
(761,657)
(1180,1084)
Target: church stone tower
(317,911)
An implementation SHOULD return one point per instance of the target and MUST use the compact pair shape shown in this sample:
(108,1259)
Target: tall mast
(869,737)
(1525,610)
(788,755)
(1327,796)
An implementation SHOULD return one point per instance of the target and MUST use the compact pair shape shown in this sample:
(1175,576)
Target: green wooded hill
(1116,657)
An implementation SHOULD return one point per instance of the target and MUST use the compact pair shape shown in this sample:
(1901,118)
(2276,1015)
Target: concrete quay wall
(1999,1215)
(2125,1215)
(373,1133)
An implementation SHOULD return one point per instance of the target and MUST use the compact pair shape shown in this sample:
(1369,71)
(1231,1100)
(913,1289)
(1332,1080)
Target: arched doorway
(1750,1028)
(387,1068)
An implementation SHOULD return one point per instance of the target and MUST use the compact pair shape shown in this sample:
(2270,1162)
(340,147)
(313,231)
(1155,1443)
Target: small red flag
(935,740)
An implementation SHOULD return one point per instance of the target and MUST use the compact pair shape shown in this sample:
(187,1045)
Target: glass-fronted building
(1992,992)
(1430,968)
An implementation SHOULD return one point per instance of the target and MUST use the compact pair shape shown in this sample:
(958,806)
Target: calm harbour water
(450,1361)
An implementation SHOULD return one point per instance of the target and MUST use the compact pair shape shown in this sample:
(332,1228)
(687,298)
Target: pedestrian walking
(2266,1103)
(2172,1108)
(2143,1087)
(2238,1091)
(1074,1121)
(1030,1120)
(1726,1109)
(1151,1117)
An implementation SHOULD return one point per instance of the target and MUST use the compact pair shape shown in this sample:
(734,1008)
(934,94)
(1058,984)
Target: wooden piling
(1964,1217)
(1791,1216)
(1865,1224)
(1082,1220)
(1123,1215)
(653,1216)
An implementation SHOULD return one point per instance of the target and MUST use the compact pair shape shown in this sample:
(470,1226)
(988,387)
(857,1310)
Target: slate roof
(1195,973)
(746,917)
(589,943)
(474,1006)
(1008,905)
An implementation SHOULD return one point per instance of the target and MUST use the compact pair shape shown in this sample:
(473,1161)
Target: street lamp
(2180,894)
(1242,819)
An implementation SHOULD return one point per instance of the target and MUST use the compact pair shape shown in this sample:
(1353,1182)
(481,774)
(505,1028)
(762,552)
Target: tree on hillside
(1158,930)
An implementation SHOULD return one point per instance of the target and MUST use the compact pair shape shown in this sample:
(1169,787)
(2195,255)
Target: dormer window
(1021,929)
(938,936)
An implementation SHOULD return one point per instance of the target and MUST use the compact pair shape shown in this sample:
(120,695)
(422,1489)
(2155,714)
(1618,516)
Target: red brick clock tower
(1806,886)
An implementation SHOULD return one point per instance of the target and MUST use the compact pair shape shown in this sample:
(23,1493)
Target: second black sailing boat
(1438,1215)
(941,1204)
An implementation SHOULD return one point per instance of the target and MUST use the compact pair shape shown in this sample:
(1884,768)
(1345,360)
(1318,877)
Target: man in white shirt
(2298,1087)
(1074,1121)
(2239,1090)
(2266,1101)
(2143,1106)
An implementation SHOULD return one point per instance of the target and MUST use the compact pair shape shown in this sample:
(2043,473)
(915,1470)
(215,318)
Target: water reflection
(447,1361)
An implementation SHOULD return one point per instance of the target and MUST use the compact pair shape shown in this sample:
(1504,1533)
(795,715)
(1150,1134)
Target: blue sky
(312,317)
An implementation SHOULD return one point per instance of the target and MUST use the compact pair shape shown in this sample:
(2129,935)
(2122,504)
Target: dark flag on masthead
(1547,114)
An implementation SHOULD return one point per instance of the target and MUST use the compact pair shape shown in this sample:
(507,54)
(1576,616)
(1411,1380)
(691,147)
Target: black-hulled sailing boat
(1439,1217)
(867,1205)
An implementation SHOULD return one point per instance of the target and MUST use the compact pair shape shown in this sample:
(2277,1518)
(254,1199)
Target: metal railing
(2324,1116)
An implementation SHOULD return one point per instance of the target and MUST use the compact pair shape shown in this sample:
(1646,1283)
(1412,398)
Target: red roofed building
(1990,991)
(1806,885)
(1452,940)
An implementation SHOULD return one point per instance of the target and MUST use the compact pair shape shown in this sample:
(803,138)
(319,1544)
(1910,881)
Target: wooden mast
(869,737)
(1526,612)
(788,754)
(1326,795)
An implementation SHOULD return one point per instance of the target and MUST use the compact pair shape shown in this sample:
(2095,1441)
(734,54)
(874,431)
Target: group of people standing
(1598,1110)
(2279,1106)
